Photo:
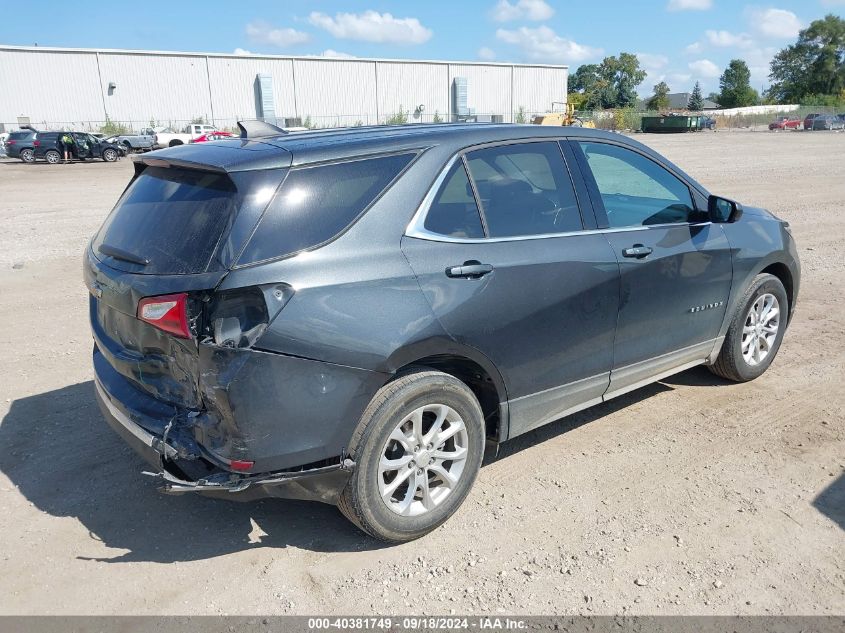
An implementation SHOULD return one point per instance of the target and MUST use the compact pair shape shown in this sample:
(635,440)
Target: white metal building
(82,88)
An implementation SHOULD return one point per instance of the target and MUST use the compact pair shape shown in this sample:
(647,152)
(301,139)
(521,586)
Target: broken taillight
(166,312)
(238,317)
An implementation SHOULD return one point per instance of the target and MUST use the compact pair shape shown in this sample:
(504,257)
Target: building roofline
(121,51)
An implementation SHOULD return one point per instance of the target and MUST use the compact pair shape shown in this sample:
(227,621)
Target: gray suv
(351,316)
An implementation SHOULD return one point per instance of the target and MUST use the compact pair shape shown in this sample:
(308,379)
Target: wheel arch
(782,272)
(472,368)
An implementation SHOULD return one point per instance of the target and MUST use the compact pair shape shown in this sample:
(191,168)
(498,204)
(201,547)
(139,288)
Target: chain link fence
(620,120)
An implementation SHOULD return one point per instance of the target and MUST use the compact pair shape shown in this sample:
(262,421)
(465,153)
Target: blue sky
(678,41)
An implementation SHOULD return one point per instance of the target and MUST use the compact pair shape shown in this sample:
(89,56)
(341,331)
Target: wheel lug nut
(419,472)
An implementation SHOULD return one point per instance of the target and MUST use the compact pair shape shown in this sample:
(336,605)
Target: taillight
(11,142)
(166,312)
(36,143)
(238,317)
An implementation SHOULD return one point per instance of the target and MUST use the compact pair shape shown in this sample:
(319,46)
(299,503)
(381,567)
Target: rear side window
(525,189)
(454,212)
(17,136)
(174,218)
(315,204)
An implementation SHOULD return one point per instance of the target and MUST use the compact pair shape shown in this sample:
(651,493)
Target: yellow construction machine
(561,117)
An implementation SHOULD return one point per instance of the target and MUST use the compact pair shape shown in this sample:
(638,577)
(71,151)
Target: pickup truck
(169,138)
(141,141)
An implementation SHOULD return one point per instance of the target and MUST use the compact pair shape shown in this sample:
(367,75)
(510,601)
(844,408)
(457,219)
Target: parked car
(350,315)
(808,120)
(213,136)
(828,122)
(47,146)
(785,123)
(169,138)
(143,140)
(19,144)
(708,123)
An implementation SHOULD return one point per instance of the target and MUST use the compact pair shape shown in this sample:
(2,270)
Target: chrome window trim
(416,227)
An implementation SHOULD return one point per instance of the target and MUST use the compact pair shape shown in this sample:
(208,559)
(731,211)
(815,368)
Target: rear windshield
(315,204)
(172,218)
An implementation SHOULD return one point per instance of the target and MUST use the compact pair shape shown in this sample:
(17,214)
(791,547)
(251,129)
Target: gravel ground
(691,496)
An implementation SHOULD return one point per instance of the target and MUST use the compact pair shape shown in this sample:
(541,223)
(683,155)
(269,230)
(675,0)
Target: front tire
(756,331)
(417,449)
(110,155)
(52,157)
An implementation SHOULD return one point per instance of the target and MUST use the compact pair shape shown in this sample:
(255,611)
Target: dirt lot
(692,496)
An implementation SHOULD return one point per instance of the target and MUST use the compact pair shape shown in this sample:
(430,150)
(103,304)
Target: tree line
(811,71)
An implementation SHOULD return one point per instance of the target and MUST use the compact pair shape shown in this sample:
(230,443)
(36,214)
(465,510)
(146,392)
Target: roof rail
(255,128)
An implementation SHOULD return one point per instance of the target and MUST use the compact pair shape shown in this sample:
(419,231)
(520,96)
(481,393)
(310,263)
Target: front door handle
(469,270)
(637,250)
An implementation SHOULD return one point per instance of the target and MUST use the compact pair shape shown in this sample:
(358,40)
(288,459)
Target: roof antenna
(255,128)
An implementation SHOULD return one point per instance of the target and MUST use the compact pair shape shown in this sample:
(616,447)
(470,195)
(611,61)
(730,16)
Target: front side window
(636,191)
(525,189)
(454,212)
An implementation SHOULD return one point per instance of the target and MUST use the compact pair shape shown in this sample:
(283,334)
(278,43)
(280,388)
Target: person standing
(67,146)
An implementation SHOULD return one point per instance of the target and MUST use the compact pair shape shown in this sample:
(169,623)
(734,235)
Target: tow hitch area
(315,484)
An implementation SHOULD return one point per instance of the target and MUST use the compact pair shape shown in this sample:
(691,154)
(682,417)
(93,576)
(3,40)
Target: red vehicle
(785,123)
(212,136)
(808,121)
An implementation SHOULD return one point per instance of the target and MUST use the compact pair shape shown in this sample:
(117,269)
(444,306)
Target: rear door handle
(469,270)
(638,251)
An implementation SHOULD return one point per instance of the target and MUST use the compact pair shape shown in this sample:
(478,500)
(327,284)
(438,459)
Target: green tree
(814,65)
(624,74)
(660,99)
(611,84)
(696,101)
(735,84)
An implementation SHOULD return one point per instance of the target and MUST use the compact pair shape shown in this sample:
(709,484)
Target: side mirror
(723,210)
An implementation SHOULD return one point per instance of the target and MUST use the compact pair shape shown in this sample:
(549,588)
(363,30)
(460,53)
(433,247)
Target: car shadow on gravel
(62,457)
(831,502)
(572,422)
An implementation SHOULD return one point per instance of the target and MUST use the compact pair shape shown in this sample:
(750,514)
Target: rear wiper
(119,253)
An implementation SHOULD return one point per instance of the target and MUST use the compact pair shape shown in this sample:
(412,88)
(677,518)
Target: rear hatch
(154,264)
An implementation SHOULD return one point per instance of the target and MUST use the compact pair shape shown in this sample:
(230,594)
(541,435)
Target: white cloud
(265,33)
(487,54)
(694,49)
(372,26)
(726,39)
(544,45)
(705,68)
(649,60)
(535,10)
(775,23)
(833,3)
(330,52)
(689,5)
(241,51)
(680,81)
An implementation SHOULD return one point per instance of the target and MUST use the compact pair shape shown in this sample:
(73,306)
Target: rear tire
(174,143)
(404,485)
(28,155)
(755,332)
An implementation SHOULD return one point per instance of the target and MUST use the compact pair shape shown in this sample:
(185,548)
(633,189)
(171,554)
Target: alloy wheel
(761,329)
(423,460)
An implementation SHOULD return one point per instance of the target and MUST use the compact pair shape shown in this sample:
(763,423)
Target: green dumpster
(671,123)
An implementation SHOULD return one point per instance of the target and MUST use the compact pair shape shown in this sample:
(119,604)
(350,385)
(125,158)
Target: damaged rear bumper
(323,483)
